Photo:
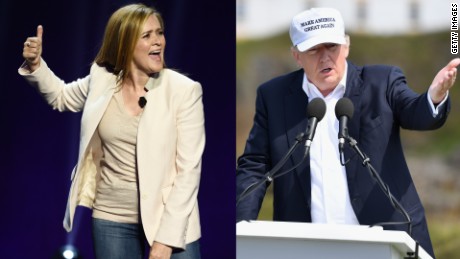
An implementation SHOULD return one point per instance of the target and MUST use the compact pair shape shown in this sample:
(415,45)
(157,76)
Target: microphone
(343,111)
(315,112)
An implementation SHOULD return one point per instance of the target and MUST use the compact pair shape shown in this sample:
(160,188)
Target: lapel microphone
(142,101)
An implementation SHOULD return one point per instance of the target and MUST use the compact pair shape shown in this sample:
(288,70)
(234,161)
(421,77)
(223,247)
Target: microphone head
(344,107)
(316,108)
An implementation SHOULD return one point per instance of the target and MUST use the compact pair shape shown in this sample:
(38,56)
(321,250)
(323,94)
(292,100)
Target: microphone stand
(270,175)
(385,188)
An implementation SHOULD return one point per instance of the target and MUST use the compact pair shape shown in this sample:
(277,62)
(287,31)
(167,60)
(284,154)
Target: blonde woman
(142,138)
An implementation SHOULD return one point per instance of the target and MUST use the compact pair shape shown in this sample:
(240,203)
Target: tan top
(117,195)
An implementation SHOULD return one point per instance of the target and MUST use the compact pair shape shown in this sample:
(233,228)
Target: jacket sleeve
(412,110)
(60,95)
(253,164)
(190,146)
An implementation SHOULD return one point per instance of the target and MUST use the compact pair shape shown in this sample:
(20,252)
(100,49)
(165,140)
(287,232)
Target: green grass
(445,235)
(266,212)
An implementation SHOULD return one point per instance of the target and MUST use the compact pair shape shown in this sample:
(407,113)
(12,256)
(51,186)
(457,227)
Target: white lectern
(286,240)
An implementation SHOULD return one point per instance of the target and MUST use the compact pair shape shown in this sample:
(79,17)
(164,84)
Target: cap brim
(308,44)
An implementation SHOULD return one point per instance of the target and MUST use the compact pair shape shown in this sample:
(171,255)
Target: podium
(289,240)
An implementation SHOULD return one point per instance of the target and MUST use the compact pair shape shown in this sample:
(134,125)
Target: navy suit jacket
(383,105)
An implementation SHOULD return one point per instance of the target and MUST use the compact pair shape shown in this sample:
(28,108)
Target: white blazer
(170,144)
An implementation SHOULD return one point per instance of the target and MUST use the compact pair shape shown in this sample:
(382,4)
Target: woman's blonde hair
(122,32)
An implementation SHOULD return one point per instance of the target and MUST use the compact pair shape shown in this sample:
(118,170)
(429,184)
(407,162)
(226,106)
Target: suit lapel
(295,104)
(353,91)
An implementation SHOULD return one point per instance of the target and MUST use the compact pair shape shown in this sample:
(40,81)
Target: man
(321,190)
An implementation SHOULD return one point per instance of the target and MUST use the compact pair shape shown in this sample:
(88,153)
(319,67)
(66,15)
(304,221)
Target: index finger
(453,63)
(39,31)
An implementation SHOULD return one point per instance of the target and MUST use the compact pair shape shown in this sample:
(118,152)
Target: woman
(142,138)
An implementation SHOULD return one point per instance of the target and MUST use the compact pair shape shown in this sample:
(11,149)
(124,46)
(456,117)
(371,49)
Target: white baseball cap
(316,26)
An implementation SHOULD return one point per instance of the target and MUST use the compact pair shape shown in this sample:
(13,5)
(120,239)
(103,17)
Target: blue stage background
(39,146)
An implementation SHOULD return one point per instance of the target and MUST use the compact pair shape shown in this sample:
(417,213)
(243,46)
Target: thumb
(39,32)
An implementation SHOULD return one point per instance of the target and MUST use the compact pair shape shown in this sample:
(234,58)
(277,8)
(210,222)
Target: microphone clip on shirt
(142,100)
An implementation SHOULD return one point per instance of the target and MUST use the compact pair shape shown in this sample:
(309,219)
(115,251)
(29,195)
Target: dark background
(39,145)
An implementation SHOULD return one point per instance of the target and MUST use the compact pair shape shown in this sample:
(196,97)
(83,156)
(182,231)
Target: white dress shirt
(330,199)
